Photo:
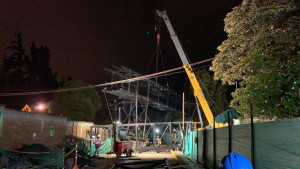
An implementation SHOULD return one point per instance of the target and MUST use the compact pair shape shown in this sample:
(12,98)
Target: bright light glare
(157,130)
(41,107)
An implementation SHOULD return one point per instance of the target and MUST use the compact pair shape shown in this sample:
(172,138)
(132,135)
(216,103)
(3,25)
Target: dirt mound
(34,148)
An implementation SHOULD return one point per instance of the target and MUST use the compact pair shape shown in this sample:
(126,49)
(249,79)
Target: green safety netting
(190,146)
(194,145)
(208,154)
(179,136)
(241,140)
(188,143)
(223,117)
(222,143)
(276,144)
(105,147)
(199,151)
(167,138)
(53,158)
(89,147)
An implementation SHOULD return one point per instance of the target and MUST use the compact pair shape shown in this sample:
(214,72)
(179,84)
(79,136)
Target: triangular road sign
(26,108)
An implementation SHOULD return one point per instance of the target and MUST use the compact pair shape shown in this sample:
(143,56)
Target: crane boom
(190,72)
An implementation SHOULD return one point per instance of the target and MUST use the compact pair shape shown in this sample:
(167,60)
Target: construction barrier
(88,147)
(276,144)
(105,147)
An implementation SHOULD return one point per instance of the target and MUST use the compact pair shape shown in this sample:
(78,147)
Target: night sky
(85,36)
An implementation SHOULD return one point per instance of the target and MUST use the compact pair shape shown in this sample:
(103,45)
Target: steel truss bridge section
(139,137)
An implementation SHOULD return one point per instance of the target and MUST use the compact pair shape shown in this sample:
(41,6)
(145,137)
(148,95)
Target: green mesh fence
(221,143)
(179,136)
(104,149)
(194,145)
(276,144)
(199,151)
(209,148)
(167,138)
(188,144)
(55,156)
(241,140)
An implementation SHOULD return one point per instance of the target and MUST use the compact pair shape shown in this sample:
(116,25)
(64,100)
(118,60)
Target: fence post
(252,137)
(214,145)
(63,159)
(203,146)
(229,133)
(197,145)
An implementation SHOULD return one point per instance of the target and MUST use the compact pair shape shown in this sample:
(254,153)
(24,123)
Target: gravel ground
(111,159)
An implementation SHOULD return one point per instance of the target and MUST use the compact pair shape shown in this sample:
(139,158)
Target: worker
(158,140)
(97,143)
(235,161)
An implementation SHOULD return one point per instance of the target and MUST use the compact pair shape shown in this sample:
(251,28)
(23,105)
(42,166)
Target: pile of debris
(28,156)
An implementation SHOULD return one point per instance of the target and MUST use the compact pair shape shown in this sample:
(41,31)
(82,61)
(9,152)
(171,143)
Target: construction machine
(188,68)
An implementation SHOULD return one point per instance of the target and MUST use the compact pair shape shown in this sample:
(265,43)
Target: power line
(153,75)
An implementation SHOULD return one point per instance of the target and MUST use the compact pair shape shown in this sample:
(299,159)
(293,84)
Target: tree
(262,54)
(16,66)
(40,72)
(78,104)
(21,72)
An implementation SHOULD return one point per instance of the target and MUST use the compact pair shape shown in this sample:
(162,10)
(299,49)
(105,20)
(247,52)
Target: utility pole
(183,111)
(119,114)
(183,142)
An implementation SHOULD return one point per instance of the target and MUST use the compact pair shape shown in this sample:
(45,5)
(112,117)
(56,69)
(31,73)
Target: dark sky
(85,36)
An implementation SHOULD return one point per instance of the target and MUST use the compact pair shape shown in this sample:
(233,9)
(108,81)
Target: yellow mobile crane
(189,70)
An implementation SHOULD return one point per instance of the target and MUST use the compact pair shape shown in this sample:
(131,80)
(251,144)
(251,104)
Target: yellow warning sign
(26,108)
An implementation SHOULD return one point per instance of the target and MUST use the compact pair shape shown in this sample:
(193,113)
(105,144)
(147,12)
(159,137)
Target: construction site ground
(109,160)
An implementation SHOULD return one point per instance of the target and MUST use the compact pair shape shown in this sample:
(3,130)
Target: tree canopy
(76,105)
(22,72)
(262,54)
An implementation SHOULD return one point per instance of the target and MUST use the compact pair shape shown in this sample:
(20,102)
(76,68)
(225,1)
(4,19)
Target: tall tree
(262,54)
(40,71)
(76,105)
(16,65)
(21,72)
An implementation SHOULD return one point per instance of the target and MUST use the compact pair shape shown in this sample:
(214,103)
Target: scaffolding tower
(140,95)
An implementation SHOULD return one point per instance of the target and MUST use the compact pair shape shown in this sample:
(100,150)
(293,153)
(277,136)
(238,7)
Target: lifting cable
(157,50)
(149,76)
